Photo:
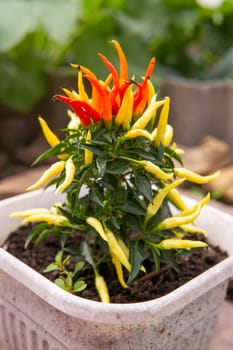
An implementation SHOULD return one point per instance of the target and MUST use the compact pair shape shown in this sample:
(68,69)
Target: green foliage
(67,280)
(33,40)
(188,40)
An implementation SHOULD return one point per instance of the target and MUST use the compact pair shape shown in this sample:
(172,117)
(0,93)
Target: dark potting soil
(149,286)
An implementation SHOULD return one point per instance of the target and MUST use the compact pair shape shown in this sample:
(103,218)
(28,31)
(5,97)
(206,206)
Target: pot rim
(131,313)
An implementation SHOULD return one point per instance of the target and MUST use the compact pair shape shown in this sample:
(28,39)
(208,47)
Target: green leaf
(144,186)
(58,257)
(156,258)
(169,258)
(141,154)
(136,260)
(134,224)
(79,286)
(96,150)
(60,283)
(86,252)
(118,168)
(78,267)
(51,267)
(95,196)
(69,282)
(101,165)
(132,207)
(115,223)
(43,235)
(35,231)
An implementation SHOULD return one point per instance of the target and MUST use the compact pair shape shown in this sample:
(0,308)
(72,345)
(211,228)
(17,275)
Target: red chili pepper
(92,112)
(141,105)
(76,107)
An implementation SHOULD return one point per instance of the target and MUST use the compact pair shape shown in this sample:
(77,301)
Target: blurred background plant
(40,36)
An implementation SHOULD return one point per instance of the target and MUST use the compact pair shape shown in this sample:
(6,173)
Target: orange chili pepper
(150,68)
(111,68)
(103,98)
(85,70)
(123,61)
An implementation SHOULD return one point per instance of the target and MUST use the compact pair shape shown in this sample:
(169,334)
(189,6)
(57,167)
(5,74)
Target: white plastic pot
(35,314)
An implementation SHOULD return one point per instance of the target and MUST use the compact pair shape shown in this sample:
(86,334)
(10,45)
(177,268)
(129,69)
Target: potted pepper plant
(119,221)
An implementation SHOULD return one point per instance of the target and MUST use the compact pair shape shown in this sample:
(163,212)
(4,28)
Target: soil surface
(149,286)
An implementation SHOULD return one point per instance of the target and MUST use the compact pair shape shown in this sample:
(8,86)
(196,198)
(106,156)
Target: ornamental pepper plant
(118,150)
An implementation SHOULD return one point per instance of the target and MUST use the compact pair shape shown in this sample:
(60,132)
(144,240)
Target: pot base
(37,325)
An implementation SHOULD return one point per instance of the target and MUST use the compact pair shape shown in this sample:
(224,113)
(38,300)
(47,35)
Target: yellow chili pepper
(116,249)
(102,288)
(88,155)
(178,234)
(69,175)
(129,115)
(125,111)
(50,137)
(176,221)
(72,94)
(149,113)
(168,135)
(193,177)
(155,170)
(203,202)
(175,243)
(96,224)
(162,124)
(175,197)
(124,247)
(194,229)
(49,218)
(28,212)
(153,207)
(81,90)
(54,170)
(177,150)
(151,90)
(116,262)
(108,80)
(131,134)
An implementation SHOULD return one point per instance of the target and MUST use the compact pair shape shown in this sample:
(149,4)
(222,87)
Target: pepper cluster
(119,145)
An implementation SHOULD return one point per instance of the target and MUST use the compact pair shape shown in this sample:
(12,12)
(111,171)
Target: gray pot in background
(199,109)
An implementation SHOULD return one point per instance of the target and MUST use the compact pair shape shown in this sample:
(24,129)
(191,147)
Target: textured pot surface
(36,314)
